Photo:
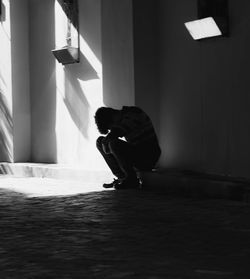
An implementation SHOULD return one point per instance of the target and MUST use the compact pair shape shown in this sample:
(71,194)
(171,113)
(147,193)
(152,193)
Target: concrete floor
(60,229)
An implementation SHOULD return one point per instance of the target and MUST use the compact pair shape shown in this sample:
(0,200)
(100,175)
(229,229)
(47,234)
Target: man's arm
(115,133)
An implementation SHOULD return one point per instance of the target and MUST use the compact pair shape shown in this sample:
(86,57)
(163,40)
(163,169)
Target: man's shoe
(112,184)
(128,184)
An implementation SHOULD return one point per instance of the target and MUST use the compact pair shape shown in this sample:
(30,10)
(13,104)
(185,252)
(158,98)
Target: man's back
(136,126)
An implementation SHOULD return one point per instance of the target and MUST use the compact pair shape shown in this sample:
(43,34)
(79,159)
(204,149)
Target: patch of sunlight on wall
(93,93)
(5,54)
(78,97)
(60,26)
(6,133)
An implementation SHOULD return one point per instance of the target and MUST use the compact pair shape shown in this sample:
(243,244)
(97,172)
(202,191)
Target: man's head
(104,118)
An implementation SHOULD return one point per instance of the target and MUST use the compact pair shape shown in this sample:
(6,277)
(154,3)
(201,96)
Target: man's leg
(124,154)
(110,160)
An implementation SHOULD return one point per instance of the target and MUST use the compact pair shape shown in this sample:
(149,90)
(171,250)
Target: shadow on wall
(87,72)
(3,12)
(42,82)
(75,100)
(6,131)
(2,80)
(6,169)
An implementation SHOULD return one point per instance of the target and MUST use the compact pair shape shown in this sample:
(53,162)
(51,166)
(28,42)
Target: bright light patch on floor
(203,28)
(46,187)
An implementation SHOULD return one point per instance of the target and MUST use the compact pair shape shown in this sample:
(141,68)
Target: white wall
(42,81)
(202,105)
(14,82)
(65,98)
(6,119)
(79,93)
(117,52)
(20,79)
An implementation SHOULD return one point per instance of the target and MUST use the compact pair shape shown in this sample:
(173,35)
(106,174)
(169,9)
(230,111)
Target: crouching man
(130,143)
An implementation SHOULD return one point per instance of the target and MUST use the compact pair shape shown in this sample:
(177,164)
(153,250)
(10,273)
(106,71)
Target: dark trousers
(124,158)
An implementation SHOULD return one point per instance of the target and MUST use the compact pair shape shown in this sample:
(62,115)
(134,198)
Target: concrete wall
(146,56)
(14,82)
(195,92)
(117,53)
(6,119)
(42,81)
(65,98)
(55,124)
(20,80)
(204,118)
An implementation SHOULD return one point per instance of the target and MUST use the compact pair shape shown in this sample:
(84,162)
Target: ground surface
(119,234)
